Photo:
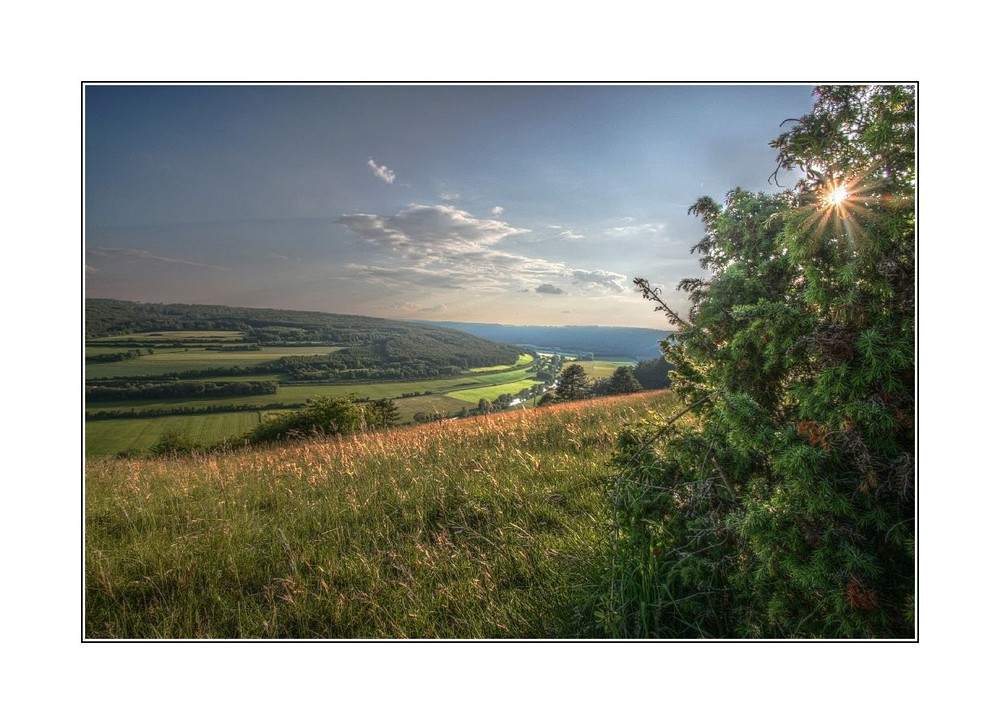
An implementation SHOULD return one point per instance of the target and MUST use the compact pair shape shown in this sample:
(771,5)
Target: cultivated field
(178,359)
(445,397)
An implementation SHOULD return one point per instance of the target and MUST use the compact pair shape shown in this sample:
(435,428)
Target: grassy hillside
(491,527)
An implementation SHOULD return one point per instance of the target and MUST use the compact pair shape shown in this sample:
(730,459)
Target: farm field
(524,359)
(108,437)
(490,392)
(292,394)
(431,397)
(600,369)
(437,397)
(178,359)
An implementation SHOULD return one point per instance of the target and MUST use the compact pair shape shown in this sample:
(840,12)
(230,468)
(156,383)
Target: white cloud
(141,255)
(612,281)
(565,233)
(634,230)
(383,172)
(450,197)
(496,211)
(445,247)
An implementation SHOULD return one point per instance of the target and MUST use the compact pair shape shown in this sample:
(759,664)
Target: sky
(530,204)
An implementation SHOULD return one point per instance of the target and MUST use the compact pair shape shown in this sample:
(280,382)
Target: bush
(781,503)
(174,442)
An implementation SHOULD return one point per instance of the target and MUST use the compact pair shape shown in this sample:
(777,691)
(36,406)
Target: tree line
(146,390)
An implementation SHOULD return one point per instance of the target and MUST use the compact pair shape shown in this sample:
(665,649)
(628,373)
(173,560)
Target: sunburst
(838,205)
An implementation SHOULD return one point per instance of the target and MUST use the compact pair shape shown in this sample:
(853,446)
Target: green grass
(179,359)
(431,404)
(107,437)
(492,527)
(300,393)
(524,359)
(491,392)
(600,369)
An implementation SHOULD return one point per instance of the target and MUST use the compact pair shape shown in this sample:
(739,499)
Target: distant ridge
(369,341)
(632,342)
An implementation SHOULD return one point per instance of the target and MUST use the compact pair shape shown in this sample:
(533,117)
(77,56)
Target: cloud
(143,255)
(496,211)
(565,233)
(634,230)
(612,281)
(450,197)
(549,289)
(443,247)
(383,172)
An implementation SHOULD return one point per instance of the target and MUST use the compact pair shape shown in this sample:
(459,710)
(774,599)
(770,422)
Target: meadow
(489,527)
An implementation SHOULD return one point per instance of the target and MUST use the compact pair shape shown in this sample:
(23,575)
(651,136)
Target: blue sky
(511,204)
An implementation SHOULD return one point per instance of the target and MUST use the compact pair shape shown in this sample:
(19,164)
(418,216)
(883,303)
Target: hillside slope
(370,340)
(492,527)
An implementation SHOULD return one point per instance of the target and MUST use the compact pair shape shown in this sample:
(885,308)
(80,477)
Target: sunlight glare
(837,195)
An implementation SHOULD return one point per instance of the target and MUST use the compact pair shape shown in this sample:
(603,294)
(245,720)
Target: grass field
(107,437)
(178,359)
(492,527)
(491,392)
(288,394)
(448,396)
(600,369)
(524,359)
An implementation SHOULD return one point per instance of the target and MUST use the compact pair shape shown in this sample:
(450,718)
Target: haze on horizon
(507,204)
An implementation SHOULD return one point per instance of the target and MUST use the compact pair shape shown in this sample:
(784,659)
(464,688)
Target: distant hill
(636,343)
(373,348)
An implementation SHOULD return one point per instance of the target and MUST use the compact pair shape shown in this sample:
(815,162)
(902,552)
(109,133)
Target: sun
(837,195)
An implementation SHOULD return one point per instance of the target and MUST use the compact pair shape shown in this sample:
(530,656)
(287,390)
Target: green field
(178,359)
(107,437)
(448,396)
(291,394)
(490,392)
(601,369)
(524,359)
(434,397)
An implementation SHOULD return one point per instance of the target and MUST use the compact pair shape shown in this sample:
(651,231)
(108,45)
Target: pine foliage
(781,503)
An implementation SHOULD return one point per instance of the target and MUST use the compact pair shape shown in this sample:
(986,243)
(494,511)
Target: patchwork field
(441,397)
(179,359)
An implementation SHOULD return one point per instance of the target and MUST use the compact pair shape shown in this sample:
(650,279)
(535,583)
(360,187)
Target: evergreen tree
(622,382)
(573,383)
(786,509)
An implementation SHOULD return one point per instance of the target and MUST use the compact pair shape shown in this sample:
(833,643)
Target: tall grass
(493,527)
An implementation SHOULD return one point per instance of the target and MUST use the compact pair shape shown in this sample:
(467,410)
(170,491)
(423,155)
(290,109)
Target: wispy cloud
(140,255)
(496,211)
(382,172)
(565,233)
(446,247)
(634,229)
(450,197)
